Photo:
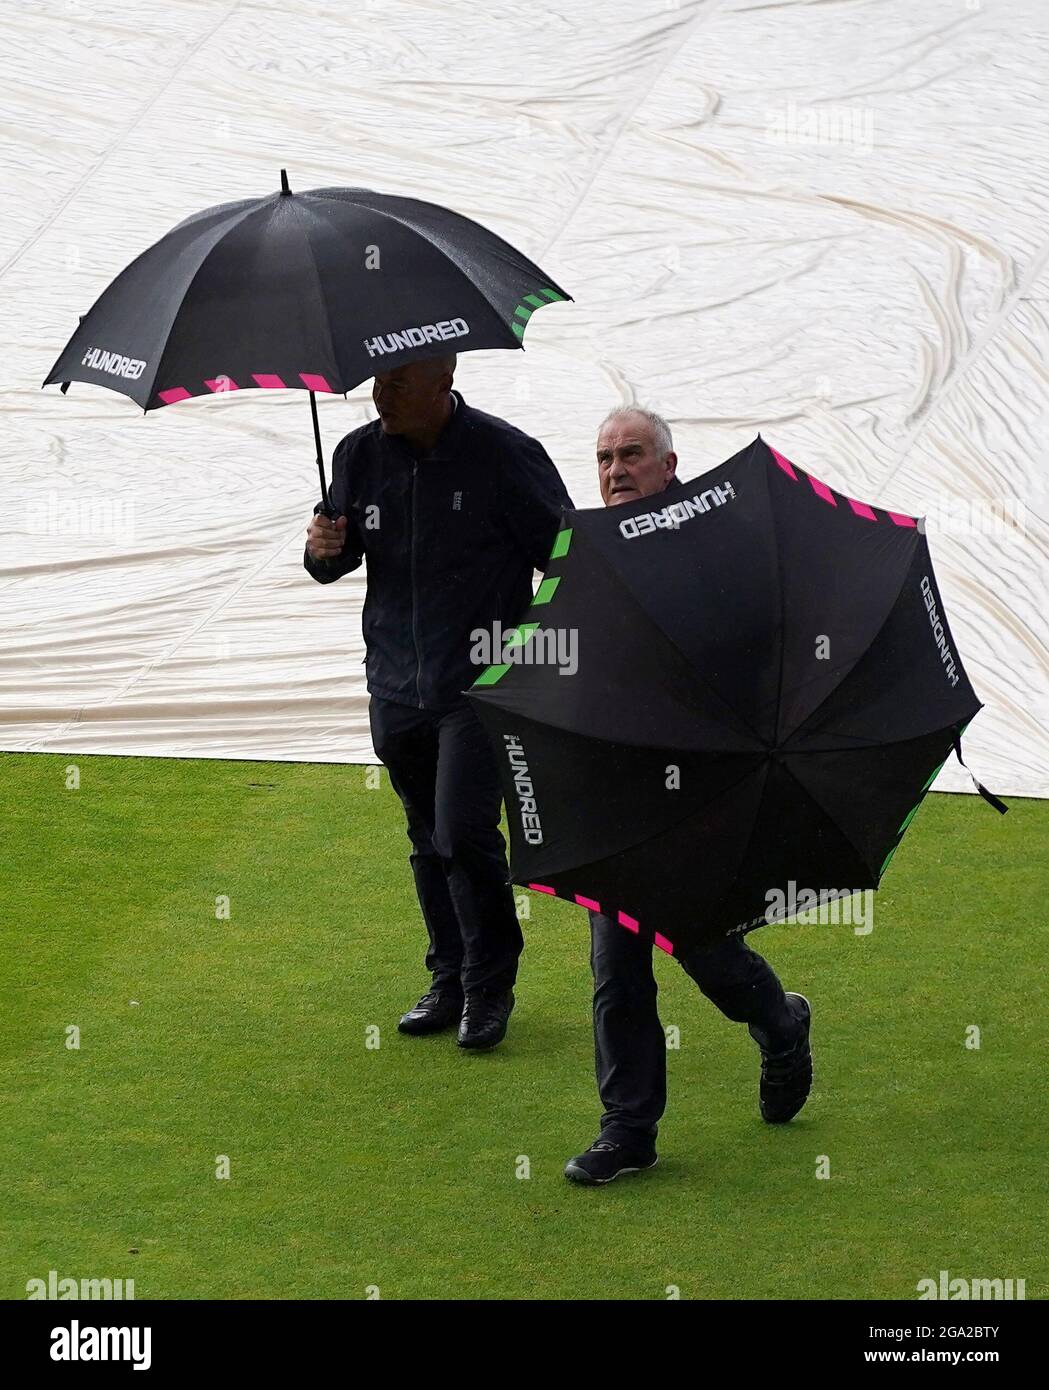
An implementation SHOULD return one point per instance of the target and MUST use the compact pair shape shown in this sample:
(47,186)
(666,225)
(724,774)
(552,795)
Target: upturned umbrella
(764,687)
(313,291)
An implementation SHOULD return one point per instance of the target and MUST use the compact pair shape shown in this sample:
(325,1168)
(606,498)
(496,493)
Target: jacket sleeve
(325,571)
(534,496)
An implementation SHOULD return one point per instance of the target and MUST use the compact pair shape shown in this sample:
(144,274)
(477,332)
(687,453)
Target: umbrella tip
(284,181)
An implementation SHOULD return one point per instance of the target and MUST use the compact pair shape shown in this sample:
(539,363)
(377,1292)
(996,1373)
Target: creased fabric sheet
(825,221)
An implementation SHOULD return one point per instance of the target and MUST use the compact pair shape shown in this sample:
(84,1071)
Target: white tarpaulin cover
(826,221)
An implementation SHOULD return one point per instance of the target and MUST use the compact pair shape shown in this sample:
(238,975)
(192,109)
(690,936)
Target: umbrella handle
(326,508)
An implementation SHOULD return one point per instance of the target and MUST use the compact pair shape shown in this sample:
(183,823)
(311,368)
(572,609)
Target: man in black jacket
(454,510)
(635,459)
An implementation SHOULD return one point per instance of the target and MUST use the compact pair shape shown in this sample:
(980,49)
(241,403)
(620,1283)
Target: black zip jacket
(451,542)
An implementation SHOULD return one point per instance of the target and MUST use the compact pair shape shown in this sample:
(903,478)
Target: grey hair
(660,429)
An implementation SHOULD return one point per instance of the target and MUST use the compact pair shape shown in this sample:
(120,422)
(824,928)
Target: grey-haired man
(635,458)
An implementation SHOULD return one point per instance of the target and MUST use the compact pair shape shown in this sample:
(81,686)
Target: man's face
(629,465)
(409,397)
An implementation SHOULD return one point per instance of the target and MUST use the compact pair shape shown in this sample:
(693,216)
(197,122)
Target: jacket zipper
(415,637)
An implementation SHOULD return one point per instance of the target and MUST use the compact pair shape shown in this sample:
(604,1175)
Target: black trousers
(442,768)
(629,1043)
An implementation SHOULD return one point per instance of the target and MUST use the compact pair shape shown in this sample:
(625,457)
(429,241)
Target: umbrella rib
(689,666)
(750,837)
(782,607)
(800,728)
(750,840)
(818,803)
(402,222)
(880,742)
(240,218)
(646,839)
(547,722)
(324,301)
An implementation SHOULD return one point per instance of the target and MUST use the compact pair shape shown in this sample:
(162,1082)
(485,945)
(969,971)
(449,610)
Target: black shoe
(439,1009)
(604,1161)
(485,1017)
(786,1077)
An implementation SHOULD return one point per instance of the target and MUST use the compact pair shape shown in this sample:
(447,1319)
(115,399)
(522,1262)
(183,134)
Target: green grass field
(396,1167)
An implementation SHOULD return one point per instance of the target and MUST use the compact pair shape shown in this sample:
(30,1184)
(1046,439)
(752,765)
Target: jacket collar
(455,427)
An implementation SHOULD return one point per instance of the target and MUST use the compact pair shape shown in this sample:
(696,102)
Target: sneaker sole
(426,1032)
(480,1047)
(584,1179)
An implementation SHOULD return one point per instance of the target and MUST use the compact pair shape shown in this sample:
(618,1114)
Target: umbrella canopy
(763,689)
(316,291)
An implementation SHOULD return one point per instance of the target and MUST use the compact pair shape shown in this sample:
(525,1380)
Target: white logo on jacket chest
(457,501)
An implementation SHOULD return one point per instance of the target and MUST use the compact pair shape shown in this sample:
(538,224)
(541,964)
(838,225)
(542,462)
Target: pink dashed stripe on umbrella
(861,509)
(784,463)
(623,918)
(823,491)
(269,381)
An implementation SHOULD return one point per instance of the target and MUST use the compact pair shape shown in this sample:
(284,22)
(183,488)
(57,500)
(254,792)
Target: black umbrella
(765,688)
(316,291)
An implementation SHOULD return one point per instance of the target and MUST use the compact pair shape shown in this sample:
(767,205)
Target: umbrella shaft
(326,506)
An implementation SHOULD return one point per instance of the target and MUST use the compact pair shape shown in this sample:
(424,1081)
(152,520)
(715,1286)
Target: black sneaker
(604,1161)
(786,1077)
(485,1016)
(435,1011)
